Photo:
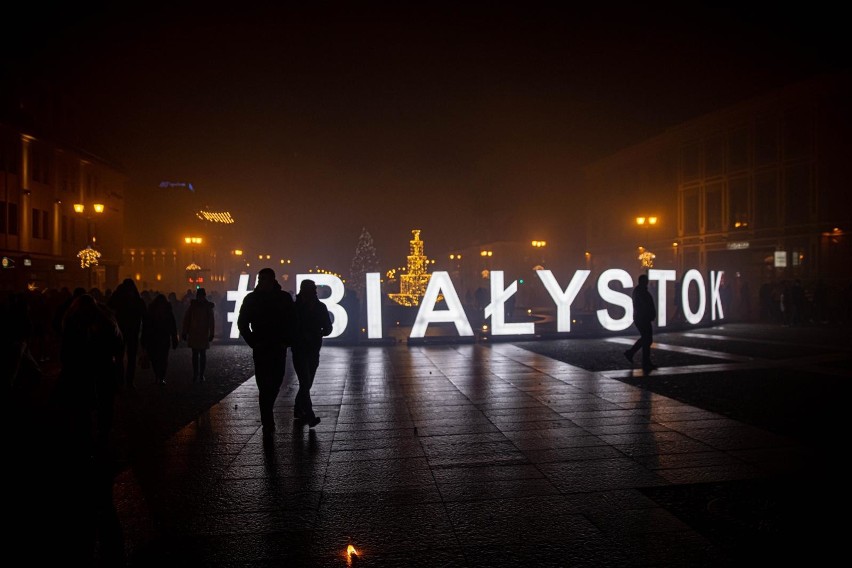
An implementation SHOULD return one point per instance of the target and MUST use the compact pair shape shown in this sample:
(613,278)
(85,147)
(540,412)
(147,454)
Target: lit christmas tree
(365,260)
(412,284)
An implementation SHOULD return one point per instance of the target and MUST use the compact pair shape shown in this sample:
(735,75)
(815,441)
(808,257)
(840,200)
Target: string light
(215,216)
(412,285)
(88,257)
(647,259)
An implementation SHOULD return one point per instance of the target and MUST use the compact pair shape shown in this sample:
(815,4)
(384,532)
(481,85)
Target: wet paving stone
(453,455)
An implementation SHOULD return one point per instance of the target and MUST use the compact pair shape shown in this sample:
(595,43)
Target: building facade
(55,201)
(759,190)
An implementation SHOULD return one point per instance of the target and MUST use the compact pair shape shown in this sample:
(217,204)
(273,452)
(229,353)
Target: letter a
(440,283)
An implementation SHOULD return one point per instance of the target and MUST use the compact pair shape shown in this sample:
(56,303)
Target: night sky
(471,124)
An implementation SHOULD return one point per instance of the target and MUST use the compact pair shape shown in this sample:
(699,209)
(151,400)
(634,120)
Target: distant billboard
(177,184)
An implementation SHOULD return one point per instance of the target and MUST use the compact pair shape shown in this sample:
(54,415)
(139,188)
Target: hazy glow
(618,298)
(79,208)
(440,283)
(497,312)
(98,207)
(563,299)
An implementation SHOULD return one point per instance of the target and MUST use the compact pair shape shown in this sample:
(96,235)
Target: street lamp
(89,256)
(81,209)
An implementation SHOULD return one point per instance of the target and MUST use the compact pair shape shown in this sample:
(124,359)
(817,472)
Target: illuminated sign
(8,262)
(693,289)
(179,184)
(28,261)
(59,266)
(738,245)
(780,259)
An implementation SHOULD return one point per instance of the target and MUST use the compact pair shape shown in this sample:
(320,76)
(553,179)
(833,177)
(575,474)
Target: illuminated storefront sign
(440,285)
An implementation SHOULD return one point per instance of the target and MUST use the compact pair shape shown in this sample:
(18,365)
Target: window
(35,166)
(766,200)
(714,156)
(797,191)
(40,224)
(62,174)
(713,207)
(690,211)
(738,210)
(766,141)
(36,219)
(738,150)
(797,133)
(10,156)
(3,215)
(13,218)
(690,161)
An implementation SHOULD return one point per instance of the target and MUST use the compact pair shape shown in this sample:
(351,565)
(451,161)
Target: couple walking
(270,321)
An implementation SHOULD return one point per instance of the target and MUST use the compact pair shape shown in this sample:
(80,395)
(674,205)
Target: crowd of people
(90,344)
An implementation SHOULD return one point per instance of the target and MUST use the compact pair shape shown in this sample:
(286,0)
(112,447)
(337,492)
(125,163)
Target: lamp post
(193,270)
(89,213)
(646,257)
(540,245)
(89,256)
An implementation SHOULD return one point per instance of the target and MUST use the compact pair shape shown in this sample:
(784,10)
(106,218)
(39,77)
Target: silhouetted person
(745,300)
(91,356)
(19,369)
(798,302)
(677,315)
(765,301)
(267,323)
(129,310)
(199,325)
(159,334)
(785,302)
(644,312)
(314,323)
(820,301)
(179,307)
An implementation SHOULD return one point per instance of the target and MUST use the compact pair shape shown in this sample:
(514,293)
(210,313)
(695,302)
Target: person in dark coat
(129,309)
(266,322)
(91,353)
(644,312)
(159,333)
(314,323)
(197,329)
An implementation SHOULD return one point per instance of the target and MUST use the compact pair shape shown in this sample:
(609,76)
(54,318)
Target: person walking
(197,329)
(314,323)
(266,322)
(644,312)
(129,309)
(159,333)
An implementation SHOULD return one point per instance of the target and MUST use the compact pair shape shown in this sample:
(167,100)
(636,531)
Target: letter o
(693,317)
